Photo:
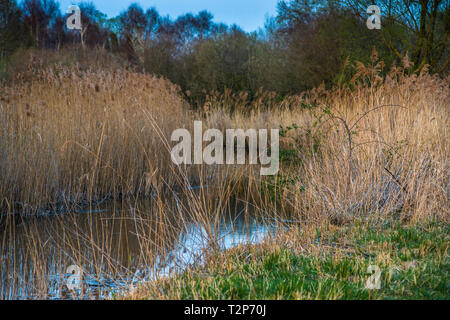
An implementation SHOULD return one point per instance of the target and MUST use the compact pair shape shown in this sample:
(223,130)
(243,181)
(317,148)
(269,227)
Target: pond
(103,252)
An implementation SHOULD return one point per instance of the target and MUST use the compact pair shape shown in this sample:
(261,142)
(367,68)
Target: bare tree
(12,33)
(427,20)
(39,15)
(91,24)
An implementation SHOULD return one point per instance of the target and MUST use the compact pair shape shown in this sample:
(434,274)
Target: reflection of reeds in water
(116,246)
(69,137)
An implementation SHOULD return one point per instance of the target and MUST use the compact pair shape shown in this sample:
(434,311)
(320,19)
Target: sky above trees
(248,14)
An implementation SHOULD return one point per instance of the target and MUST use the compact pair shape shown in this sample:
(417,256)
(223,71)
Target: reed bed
(378,146)
(71,136)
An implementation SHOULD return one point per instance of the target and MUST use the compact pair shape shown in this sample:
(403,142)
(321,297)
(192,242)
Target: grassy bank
(327,262)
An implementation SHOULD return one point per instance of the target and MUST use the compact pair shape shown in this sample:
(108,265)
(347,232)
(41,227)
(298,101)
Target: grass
(71,136)
(331,264)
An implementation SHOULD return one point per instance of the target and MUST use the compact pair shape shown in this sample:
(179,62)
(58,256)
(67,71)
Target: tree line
(307,43)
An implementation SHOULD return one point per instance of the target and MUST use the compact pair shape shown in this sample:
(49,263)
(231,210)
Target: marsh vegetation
(86,177)
(82,148)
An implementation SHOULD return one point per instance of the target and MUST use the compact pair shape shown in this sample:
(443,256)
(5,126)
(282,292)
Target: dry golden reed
(379,145)
(375,148)
(68,136)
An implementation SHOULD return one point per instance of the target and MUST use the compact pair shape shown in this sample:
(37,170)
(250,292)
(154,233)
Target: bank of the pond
(327,262)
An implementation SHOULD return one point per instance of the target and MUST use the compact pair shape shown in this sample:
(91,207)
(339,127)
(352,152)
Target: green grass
(413,261)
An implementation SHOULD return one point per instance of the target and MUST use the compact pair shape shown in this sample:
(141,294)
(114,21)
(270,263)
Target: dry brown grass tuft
(68,136)
(379,146)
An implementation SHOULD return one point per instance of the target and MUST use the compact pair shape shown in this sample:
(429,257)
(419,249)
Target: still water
(103,252)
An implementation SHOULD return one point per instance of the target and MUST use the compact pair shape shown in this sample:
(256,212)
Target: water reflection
(116,247)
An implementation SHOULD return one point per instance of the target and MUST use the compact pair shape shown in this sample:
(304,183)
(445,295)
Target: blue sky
(248,14)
